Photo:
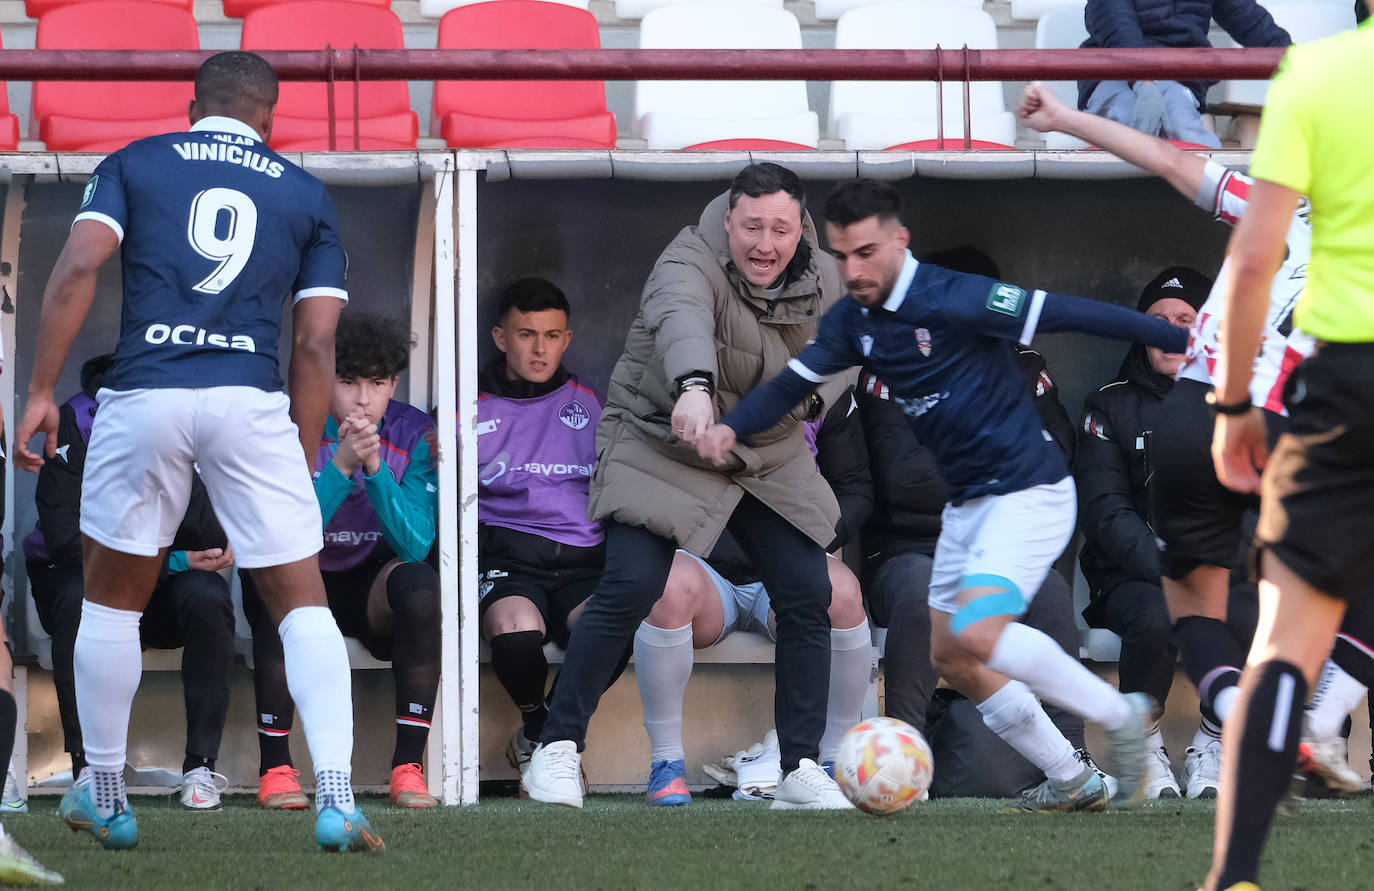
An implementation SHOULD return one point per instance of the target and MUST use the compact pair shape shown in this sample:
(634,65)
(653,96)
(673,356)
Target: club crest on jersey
(923,341)
(1007,299)
(574,415)
(87,195)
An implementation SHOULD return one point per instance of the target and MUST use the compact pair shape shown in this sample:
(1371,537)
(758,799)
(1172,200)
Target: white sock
(1337,695)
(1033,657)
(1013,714)
(318,677)
(663,665)
(1222,701)
(851,665)
(107,664)
(1205,734)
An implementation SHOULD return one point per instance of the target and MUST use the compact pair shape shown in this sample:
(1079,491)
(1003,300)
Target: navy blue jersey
(939,343)
(216,231)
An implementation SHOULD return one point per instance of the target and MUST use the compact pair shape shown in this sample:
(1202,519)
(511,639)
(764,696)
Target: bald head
(237,85)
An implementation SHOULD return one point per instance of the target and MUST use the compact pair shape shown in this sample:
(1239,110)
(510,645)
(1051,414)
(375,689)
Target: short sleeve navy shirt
(216,232)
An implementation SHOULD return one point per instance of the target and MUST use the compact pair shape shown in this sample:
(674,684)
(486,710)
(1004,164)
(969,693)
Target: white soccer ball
(883,765)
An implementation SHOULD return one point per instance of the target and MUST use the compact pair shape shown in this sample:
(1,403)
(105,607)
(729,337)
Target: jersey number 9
(233,213)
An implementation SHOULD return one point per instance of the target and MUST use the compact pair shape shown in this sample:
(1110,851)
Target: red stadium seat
(35,9)
(237,9)
(531,114)
(952,144)
(749,145)
(385,120)
(9,124)
(102,116)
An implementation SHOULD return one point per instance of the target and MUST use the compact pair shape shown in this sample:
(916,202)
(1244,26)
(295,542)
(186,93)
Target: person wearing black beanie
(1120,557)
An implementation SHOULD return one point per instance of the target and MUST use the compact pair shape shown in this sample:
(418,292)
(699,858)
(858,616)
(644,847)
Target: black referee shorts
(1197,518)
(1318,489)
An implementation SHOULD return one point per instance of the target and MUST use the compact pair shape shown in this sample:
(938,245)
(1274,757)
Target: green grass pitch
(617,842)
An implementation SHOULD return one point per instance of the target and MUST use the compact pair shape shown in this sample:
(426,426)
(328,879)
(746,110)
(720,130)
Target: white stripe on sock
(1283,707)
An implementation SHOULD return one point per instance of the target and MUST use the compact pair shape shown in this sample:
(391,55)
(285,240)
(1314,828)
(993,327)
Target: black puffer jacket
(1112,472)
(1175,23)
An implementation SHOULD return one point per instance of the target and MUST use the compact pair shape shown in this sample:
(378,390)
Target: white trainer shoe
(201,789)
(554,774)
(1159,773)
(759,770)
(1108,780)
(809,788)
(1323,756)
(15,799)
(1202,768)
(519,750)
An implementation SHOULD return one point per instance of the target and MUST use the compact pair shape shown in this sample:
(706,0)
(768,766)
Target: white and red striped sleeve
(1223,192)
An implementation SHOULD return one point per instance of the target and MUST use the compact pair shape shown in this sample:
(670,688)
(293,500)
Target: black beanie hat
(1183,282)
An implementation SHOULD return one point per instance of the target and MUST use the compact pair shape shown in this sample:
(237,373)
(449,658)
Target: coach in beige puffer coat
(697,313)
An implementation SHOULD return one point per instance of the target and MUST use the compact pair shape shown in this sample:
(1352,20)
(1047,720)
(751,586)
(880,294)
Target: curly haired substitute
(367,345)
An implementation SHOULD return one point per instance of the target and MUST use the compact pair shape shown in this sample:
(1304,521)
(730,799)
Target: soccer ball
(883,765)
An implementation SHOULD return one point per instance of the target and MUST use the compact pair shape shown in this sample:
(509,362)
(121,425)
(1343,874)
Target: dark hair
(766,178)
(235,81)
(533,295)
(965,258)
(859,199)
(368,346)
(93,373)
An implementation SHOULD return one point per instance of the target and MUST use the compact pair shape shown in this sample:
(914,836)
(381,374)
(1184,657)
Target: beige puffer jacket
(698,314)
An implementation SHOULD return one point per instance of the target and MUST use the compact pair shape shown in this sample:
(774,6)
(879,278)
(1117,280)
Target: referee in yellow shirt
(1317,521)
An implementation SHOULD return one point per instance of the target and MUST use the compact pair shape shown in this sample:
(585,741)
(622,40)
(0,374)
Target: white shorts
(1014,538)
(145,444)
(745,607)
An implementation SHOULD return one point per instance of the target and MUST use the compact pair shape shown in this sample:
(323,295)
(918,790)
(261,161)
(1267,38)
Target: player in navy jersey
(216,231)
(375,481)
(938,339)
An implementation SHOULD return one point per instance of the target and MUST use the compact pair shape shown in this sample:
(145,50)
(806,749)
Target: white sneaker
(15,799)
(201,788)
(1159,773)
(1323,756)
(759,771)
(554,774)
(809,788)
(1202,768)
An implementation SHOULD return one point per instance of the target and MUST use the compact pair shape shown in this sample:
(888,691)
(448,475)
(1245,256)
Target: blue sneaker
(338,832)
(116,832)
(668,784)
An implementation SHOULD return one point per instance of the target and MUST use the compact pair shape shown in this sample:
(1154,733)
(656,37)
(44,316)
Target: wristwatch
(1225,408)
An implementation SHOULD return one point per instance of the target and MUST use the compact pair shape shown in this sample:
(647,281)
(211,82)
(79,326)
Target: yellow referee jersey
(1317,137)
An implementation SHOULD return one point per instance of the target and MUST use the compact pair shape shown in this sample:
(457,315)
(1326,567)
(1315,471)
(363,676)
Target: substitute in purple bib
(217,232)
(539,555)
(376,485)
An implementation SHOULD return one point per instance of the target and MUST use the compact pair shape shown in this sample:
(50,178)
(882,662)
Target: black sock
(78,763)
(274,742)
(191,762)
(1267,714)
(1208,644)
(271,696)
(9,720)
(412,592)
(1353,660)
(520,666)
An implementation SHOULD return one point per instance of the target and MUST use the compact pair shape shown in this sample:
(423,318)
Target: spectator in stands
(1120,556)
(705,601)
(539,555)
(190,607)
(729,302)
(1167,108)
(375,481)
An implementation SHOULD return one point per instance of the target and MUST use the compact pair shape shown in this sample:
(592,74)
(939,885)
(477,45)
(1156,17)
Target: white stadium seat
(1034,10)
(1062,29)
(1304,21)
(435,9)
(682,114)
(638,9)
(833,9)
(878,115)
